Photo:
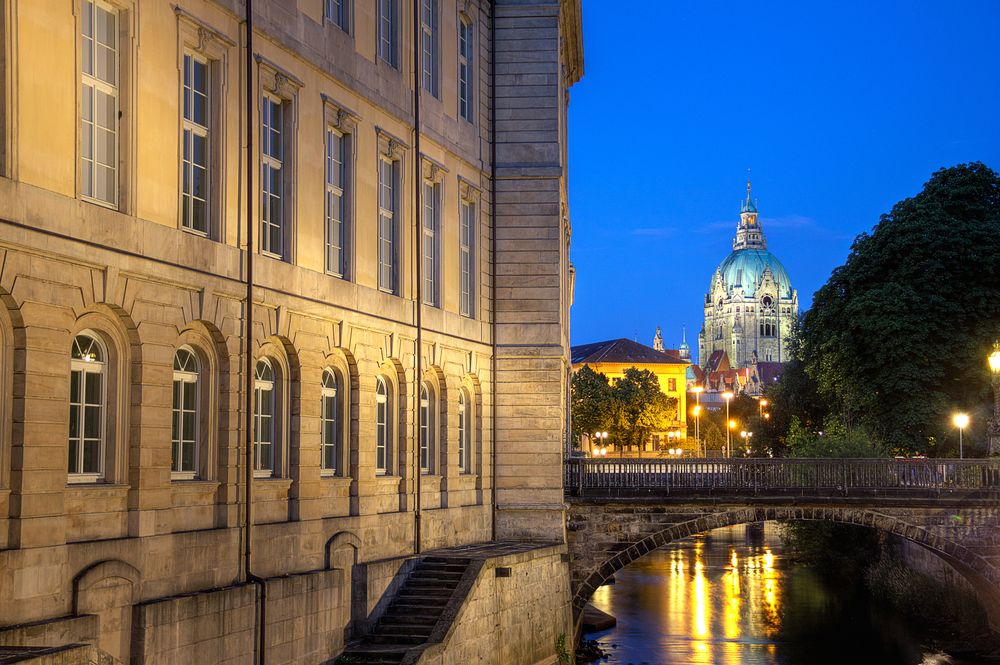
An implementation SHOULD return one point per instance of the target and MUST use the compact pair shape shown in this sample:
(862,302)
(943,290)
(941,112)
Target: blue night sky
(841,109)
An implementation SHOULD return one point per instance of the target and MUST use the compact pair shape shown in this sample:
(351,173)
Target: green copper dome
(745,267)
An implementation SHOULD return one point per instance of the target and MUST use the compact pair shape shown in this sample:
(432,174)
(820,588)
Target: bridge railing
(806,477)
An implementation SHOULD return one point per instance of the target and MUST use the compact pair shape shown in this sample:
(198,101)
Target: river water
(726,598)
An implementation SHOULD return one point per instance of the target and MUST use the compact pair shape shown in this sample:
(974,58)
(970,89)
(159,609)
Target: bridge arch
(628,545)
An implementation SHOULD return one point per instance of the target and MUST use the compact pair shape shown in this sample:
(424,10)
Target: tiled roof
(622,351)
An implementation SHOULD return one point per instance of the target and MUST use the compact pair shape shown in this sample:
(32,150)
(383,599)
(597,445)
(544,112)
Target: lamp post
(994,429)
(761,403)
(961,421)
(697,425)
(599,437)
(728,395)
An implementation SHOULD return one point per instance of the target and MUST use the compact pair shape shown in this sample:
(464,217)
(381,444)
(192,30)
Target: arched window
(87,409)
(330,422)
(383,427)
(464,452)
(264,431)
(426,429)
(184,431)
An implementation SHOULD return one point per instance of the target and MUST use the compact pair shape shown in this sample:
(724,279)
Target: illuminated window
(99,103)
(87,408)
(195,148)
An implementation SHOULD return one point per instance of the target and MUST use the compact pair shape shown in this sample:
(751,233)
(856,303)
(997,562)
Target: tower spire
(748,233)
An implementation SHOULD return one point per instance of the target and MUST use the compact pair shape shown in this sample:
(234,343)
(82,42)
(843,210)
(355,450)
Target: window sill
(77,479)
(99,202)
(195,232)
(263,475)
(183,476)
(272,255)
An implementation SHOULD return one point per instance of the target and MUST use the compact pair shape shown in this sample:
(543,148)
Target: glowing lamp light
(994,359)
(961,420)
(732,424)
(728,395)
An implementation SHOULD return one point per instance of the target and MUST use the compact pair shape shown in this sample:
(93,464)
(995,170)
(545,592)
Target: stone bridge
(620,510)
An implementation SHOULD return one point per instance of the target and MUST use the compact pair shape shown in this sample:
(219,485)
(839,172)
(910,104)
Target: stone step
(397,638)
(405,617)
(370,656)
(430,582)
(436,590)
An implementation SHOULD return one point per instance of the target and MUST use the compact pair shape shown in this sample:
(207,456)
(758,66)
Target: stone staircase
(413,616)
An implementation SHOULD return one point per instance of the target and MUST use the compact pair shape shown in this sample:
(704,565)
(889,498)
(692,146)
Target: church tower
(750,306)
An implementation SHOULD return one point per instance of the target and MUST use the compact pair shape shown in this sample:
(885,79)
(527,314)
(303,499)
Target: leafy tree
(713,437)
(834,440)
(641,407)
(592,404)
(896,339)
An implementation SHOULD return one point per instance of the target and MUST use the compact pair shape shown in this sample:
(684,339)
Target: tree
(896,338)
(592,404)
(641,407)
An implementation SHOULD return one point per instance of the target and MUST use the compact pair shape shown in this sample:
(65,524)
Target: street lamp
(994,360)
(761,403)
(746,436)
(697,425)
(602,437)
(961,421)
(728,395)
(730,426)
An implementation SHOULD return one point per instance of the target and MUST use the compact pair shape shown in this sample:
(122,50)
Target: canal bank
(720,597)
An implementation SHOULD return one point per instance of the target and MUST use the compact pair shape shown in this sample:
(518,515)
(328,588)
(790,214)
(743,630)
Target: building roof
(623,351)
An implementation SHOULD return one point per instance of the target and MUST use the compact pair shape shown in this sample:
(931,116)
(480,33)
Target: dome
(745,267)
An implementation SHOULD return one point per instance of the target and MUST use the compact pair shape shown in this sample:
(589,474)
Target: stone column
(531,270)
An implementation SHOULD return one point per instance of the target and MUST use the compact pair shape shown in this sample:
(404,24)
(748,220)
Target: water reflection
(723,598)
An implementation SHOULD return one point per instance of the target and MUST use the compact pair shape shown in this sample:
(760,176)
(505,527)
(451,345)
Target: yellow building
(613,357)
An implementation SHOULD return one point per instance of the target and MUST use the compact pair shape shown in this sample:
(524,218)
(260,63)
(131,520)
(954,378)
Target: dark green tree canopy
(897,338)
(642,408)
(591,403)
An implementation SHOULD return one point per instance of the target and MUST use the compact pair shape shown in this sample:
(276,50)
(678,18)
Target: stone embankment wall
(511,620)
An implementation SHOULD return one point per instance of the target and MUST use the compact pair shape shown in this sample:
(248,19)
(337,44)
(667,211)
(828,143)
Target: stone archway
(108,590)
(590,572)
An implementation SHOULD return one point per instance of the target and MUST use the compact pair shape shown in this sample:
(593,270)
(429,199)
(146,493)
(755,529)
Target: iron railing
(758,477)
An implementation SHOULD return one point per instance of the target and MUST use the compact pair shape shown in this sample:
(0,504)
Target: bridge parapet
(636,477)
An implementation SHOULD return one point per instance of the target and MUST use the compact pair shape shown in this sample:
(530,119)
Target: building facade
(613,357)
(399,382)
(750,306)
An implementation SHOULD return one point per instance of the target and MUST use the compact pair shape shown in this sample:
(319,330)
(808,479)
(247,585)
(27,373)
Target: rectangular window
(466,258)
(429,45)
(672,385)
(272,190)
(388,176)
(184,428)
(336,13)
(329,432)
(388,31)
(195,149)
(465,34)
(99,103)
(336,202)
(431,223)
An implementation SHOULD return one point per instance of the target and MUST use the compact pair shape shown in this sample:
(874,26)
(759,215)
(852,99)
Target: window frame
(260,386)
(383,426)
(468,225)
(342,192)
(427,443)
(333,392)
(269,164)
(84,367)
(387,32)
(465,72)
(388,219)
(430,39)
(116,91)
(186,377)
(464,438)
(205,133)
(344,20)
(430,225)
